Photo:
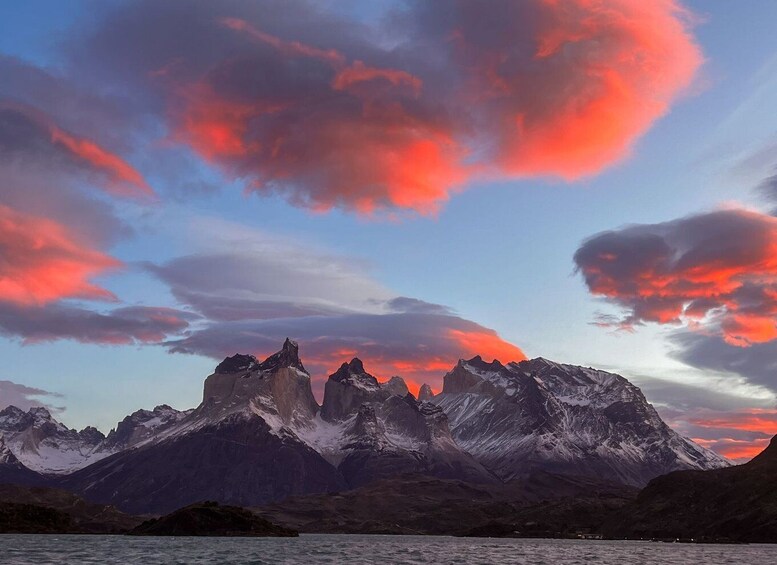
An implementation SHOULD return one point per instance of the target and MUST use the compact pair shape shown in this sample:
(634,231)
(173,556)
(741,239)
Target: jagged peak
(287,357)
(12,410)
(425,393)
(354,373)
(238,362)
(396,386)
(478,363)
(40,412)
(356,366)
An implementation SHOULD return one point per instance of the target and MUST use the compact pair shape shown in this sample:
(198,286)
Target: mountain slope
(537,414)
(44,445)
(238,447)
(380,430)
(737,503)
(12,471)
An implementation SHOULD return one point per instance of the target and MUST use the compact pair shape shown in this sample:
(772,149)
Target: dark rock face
(287,357)
(540,415)
(347,389)
(212,519)
(737,503)
(236,363)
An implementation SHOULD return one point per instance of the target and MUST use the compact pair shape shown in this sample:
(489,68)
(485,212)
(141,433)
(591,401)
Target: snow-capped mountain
(139,427)
(375,430)
(538,414)
(260,436)
(44,445)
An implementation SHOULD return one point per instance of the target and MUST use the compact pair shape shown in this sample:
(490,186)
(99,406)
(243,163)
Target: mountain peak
(395,386)
(356,365)
(478,362)
(768,456)
(40,412)
(425,393)
(288,356)
(236,363)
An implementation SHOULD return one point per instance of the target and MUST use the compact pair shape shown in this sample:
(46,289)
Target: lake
(363,549)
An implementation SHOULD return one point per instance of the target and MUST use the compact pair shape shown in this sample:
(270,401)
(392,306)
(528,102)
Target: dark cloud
(260,293)
(25,397)
(120,326)
(757,363)
(419,347)
(404,304)
(717,269)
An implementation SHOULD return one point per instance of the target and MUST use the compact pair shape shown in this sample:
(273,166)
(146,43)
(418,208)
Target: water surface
(363,549)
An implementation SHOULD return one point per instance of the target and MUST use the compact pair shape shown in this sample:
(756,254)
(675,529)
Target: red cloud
(41,261)
(26,126)
(755,420)
(601,74)
(415,366)
(124,179)
(728,426)
(546,88)
(716,272)
(735,449)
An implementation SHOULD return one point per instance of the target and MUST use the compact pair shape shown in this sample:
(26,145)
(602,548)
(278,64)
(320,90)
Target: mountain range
(259,436)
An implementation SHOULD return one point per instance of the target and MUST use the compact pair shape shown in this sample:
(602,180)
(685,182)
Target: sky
(409,182)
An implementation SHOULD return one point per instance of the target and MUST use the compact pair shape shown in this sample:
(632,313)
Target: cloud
(329,112)
(41,261)
(269,279)
(738,435)
(419,347)
(121,326)
(757,363)
(29,134)
(267,290)
(25,397)
(715,273)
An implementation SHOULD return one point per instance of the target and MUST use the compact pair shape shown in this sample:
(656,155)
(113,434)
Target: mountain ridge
(490,423)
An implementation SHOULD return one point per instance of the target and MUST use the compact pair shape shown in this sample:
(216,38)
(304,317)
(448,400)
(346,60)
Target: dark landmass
(212,519)
(47,510)
(545,503)
(32,519)
(734,504)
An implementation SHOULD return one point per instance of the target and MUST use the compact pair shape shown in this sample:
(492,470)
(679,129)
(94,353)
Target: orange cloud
(715,272)
(737,450)
(603,73)
(427,365)
(41,261)
(549,88)
(756,420)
